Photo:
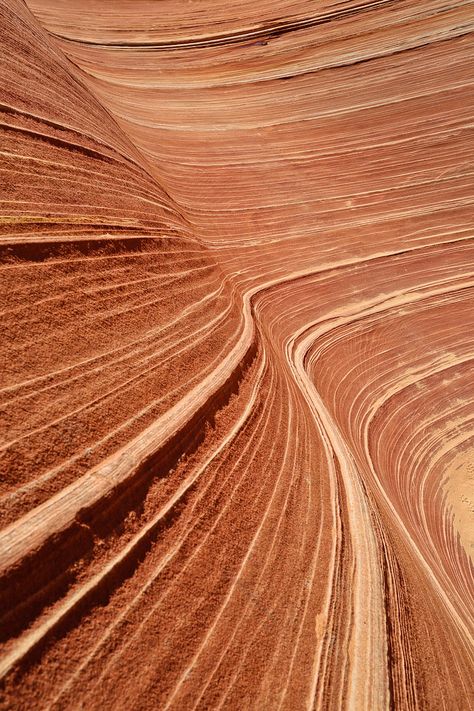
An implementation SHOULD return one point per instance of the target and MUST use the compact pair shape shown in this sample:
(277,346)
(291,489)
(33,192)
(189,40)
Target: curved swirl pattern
(236,260)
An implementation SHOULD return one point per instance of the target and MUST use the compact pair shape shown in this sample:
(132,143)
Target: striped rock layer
(236,267)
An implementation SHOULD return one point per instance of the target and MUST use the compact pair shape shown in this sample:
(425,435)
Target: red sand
(237,313)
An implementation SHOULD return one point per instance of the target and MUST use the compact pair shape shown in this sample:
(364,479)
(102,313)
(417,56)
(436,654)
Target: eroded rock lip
(237,313)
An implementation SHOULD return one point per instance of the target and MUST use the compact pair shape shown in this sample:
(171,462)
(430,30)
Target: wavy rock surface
(237,313)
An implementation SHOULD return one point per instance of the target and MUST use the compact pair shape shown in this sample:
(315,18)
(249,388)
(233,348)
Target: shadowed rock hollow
(236,407)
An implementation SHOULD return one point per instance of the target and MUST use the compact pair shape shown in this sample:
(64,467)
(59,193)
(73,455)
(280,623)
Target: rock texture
(237,416)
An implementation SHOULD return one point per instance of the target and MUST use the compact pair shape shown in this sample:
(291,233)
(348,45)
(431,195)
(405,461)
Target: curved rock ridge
(237,294)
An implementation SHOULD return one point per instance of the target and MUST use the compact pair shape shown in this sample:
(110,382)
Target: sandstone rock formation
(237,415)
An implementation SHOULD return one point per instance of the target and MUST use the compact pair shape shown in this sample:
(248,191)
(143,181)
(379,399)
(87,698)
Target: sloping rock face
(237,456)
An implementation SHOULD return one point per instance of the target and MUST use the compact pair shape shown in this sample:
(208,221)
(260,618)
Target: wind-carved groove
(31,251)
(334,685)
(273,30)
(23,596)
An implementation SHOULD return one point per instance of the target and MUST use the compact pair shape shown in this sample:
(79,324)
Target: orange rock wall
(237,404)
